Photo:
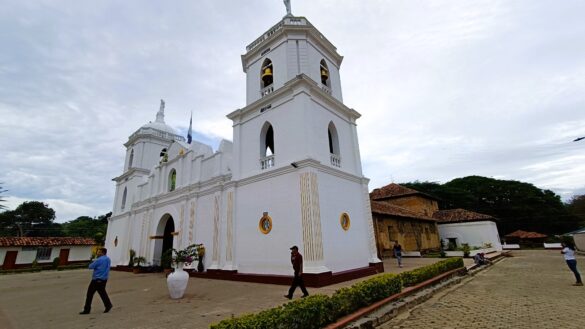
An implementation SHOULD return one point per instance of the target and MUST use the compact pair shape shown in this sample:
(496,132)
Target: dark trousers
(297,282)
(99,286)
(573,266)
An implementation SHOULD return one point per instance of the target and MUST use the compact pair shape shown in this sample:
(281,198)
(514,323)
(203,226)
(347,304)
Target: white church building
(291,176)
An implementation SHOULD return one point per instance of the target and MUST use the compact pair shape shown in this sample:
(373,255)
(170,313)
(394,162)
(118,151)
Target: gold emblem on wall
(265,224)
(344,221)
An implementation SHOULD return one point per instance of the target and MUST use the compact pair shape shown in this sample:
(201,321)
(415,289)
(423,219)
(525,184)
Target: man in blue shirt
(101,271)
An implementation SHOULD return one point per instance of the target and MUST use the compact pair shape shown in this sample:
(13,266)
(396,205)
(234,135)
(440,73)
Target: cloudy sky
(446,89)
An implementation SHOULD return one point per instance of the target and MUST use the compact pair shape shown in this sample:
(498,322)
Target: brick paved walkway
(51,300)
(532,290)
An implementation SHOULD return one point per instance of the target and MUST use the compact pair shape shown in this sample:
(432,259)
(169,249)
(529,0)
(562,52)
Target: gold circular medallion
(265,224)
(344,221)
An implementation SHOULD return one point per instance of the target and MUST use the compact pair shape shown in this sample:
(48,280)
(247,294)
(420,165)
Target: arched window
(267,140)
(164,156)
(333,145)
(266,73)
(324,71)
(267,146)
(333,139)
(124,198)
(172,180)
(131,159)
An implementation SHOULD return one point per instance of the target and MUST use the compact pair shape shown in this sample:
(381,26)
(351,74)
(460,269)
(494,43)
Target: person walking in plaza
(101,272)
(569,254)
(397,249)
(297,262)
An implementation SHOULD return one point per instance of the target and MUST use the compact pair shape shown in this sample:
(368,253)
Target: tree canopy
(87,227)
(577,207)
(516,205)
(35,219)
(31,218)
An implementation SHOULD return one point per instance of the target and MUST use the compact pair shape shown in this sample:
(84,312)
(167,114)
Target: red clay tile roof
(460,215)
(384,208)
(394,190)
(44,241)
(526,235)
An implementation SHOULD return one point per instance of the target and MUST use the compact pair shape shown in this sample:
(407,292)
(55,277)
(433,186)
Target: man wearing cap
(99,279)
(297,262)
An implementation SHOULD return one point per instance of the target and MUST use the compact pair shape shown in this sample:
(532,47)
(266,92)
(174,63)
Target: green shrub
(268,319)
(347,300)
(313,312)
(421,274)
(466,249)
(319,310)
(56,261)
(132,254)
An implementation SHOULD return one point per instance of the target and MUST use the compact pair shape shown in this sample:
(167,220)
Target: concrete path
(532,290)
(51,299)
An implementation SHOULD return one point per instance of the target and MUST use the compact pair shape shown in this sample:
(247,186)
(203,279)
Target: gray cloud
(446,88)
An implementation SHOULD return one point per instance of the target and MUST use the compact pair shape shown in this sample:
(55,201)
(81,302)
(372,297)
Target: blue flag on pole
(189,137)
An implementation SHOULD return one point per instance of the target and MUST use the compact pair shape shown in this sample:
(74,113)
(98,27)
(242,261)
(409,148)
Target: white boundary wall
(473,233)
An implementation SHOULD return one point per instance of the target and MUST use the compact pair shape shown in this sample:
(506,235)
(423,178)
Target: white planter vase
(177,282)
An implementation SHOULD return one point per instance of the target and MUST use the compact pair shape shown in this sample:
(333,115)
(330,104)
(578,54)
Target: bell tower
(297,159)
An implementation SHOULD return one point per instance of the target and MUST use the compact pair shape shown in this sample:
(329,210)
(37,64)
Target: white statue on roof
(287,5)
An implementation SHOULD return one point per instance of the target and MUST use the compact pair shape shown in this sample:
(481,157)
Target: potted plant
(177,281)
(166,261)
(466,249)
(442,253)
(138,261)
(200,254)
(132,254)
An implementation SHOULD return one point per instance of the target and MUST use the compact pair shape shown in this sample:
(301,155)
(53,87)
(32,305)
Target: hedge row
(422,274)
(317,311)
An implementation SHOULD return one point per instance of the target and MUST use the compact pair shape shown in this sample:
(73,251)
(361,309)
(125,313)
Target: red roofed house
(526,238)
(404,214)
(19,252)
(414,219)
(457,226)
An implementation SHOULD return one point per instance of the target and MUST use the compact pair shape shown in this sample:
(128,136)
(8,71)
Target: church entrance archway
(164,233)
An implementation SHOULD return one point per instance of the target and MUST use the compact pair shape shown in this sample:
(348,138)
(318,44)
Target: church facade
(291,176)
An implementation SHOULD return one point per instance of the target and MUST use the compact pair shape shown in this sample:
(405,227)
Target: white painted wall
(473,233)
(76,253)
(579,241)
(300,120)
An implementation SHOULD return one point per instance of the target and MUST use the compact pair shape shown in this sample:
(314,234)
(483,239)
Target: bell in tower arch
(267,77)
(324,73)
(266,73)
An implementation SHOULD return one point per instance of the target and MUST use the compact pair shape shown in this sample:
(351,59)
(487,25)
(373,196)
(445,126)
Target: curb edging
(388,308)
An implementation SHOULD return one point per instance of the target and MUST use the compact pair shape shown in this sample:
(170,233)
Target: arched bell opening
(333,145)
(124,196)
(266,74)
(131,159)
(267,140)
(324,71)
(333,139)
(164,237)
(266,146)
